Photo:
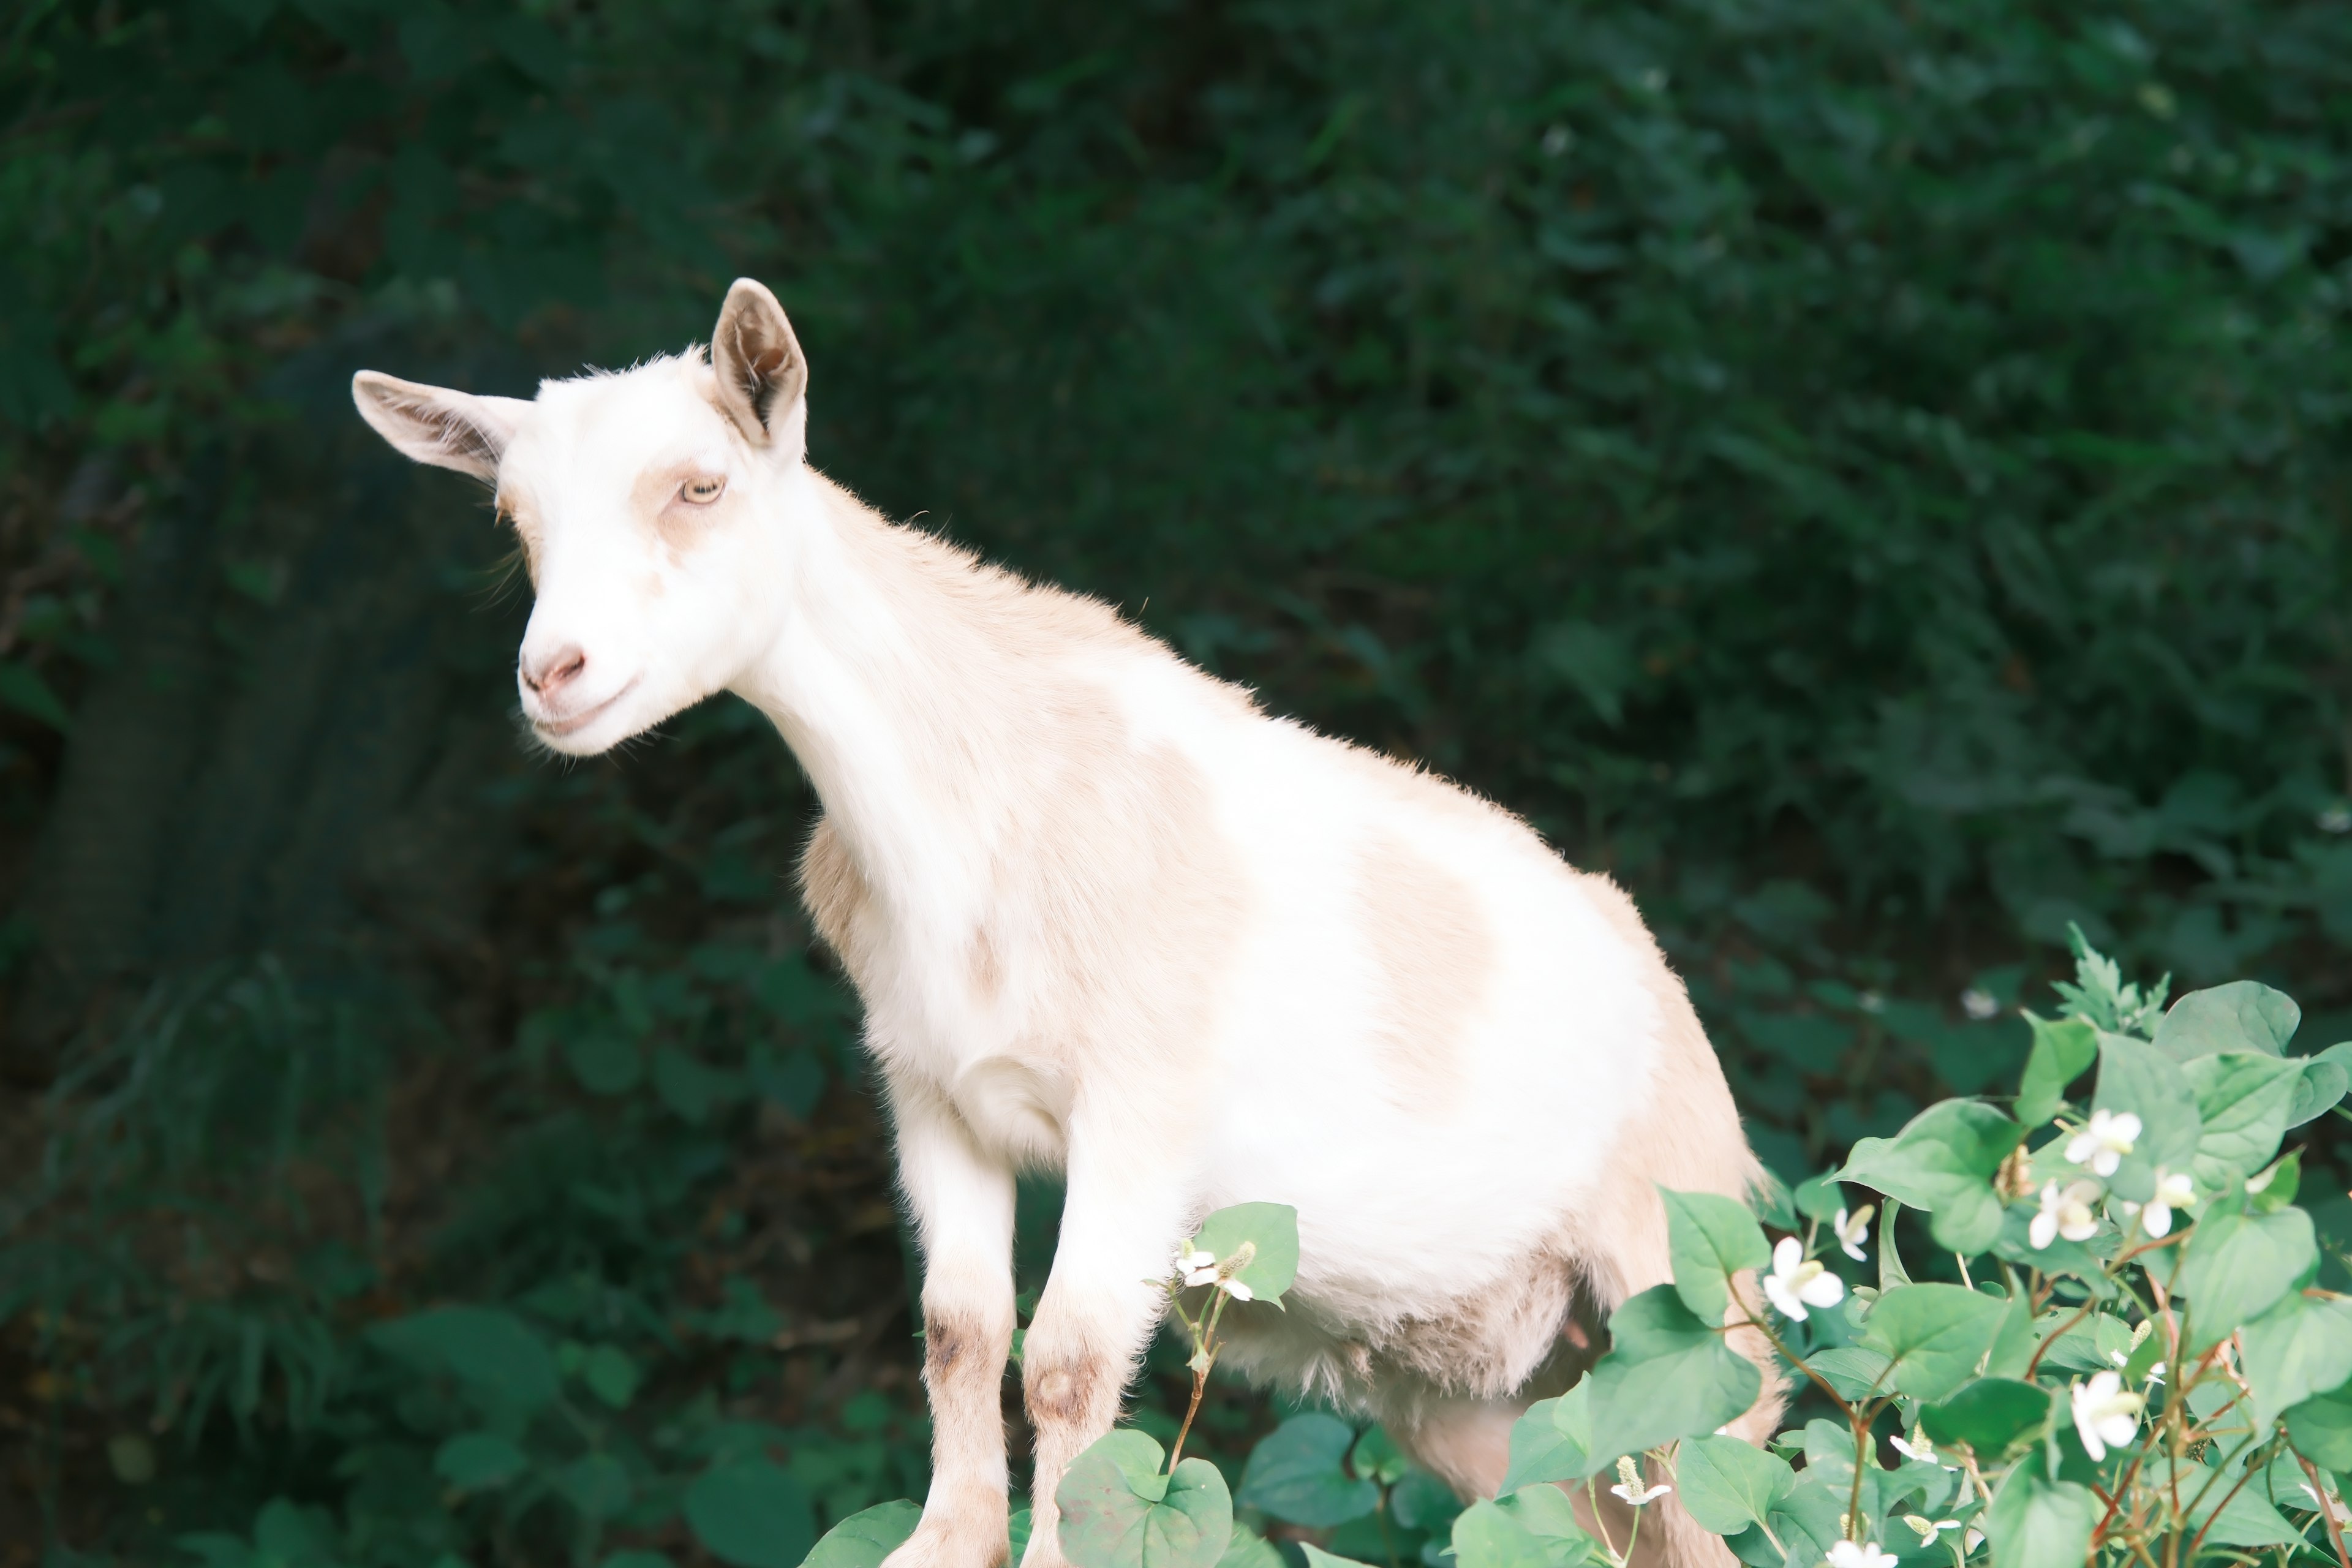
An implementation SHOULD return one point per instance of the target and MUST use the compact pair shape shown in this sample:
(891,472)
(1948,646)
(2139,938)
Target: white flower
(2102,1144)
(1978,1003)
(1196,1268)
(1927,1528)
(2336,820)
(1859,1555)
(1630,1487)
(2106,1414)
(2333,1507)
(1797,1281)
(1852,1233)
(1235,1289)
(1971,1540)
(1870,1002)
(2174,1190)
(2066,1214)
(1919,1449)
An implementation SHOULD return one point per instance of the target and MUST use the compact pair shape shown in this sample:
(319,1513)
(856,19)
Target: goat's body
(1108,919)
(1261,964)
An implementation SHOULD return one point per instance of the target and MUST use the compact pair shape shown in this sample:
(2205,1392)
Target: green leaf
(1522,1530)
(1819,1197)
(2239,1264)
(2243,1015)
(605,1061)
(2036,1522)
(1988,1415)
(504,1367)
(2141,1079)
(1548,1514)
(22,687)
(1540,1451)
(1296,1474)
(1943,1161)
(2242,1100)
(610,1375)
(866,1536)
(477,1461)
(1852,1370)
(1120,1512)
(1377,1459)
(750,1513)
(1934,1334)
(2299,1348)
(598,1485)
(1729,1485)
(1318,1558)
(1708,1239)
(1668,1375)
(1247,1549)
(2320,1430)
(2276,1188)
(2245,1519)
(2064,1050)
(1270,1230)
(2324,1082)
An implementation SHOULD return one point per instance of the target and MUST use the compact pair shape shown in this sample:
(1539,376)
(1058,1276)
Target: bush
(2146,1370)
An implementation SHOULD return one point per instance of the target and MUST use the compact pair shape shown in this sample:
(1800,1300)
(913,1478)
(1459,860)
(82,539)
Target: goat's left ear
(763,379)
(435,425)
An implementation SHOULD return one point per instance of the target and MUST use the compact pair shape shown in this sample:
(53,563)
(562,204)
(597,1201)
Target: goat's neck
(901,702)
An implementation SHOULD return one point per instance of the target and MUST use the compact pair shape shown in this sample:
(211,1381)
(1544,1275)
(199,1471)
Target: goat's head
(654,508)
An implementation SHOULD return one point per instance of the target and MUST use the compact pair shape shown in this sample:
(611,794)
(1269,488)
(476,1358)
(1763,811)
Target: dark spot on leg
(948,1343)
(1062,1394)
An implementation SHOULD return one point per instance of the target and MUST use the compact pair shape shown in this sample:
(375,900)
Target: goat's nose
(546,673)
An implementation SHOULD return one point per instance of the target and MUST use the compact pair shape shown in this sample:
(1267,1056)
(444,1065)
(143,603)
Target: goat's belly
(1420,1191)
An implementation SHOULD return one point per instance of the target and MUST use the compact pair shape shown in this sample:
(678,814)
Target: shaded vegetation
(1874,477)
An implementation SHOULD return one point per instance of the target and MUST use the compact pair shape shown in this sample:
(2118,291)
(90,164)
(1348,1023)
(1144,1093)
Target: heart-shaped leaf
(1120,1512)
(866,1536)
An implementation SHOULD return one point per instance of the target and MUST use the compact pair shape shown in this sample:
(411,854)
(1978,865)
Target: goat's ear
(433,425)
(763,378)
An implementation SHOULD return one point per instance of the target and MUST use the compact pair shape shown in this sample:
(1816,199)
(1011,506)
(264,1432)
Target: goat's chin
(628,712)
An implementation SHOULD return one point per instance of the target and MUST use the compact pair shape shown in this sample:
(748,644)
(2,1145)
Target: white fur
(1509,1161)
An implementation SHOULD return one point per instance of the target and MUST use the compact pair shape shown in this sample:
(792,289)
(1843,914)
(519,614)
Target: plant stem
(2335,1530)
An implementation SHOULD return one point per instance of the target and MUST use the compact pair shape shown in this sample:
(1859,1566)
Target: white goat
(1108,919)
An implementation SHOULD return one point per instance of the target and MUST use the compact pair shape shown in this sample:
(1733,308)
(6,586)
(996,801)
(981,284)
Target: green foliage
(1296,1474)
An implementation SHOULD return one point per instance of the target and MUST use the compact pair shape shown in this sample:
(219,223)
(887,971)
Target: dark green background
(1873,476)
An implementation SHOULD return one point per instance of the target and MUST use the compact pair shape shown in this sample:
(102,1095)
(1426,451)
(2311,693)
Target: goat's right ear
(433,425)
(763,379)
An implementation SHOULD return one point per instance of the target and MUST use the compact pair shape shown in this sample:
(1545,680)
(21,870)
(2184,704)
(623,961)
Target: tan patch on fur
(840,904)
(987,973)
(1435,958)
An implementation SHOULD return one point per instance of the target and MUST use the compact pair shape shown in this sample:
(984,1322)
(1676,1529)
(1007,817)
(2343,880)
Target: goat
(1109,919)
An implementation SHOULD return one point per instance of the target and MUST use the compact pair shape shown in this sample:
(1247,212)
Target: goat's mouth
(572,723)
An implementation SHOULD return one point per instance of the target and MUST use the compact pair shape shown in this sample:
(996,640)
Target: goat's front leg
(1120,1224)
(963,1207)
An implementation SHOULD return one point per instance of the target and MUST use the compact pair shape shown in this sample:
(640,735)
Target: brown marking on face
(1434,955)
(657,501)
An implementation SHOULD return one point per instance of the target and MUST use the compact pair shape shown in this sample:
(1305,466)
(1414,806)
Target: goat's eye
(704,490)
